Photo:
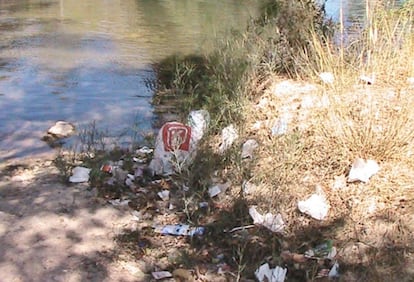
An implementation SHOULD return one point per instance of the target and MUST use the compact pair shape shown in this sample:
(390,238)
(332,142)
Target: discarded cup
(280,127)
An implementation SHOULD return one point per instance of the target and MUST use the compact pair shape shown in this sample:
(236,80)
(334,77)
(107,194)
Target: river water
(90,60)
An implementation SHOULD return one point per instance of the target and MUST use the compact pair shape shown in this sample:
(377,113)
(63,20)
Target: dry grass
(329,125)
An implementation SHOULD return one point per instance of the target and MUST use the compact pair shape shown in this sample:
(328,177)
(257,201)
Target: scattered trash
(80,174)
(119,202)
(248,148)
(367,79)
(228,136)
(316,206)
(142,155)
(334,272)
(339,182)
(410,81)
(272,222)
(218,188)
(248,187)
(203,205)
(327,77)
(176,143)
(325,250)
(264,273)
(106,168)
(164,195)
(240,228)
(129,182)
(362,170)
(280,127)
(180,230)
(158,275)
(144,151)
(61,129)
(198,121)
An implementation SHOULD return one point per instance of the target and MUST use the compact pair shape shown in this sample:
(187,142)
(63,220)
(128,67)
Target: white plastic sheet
(316,206)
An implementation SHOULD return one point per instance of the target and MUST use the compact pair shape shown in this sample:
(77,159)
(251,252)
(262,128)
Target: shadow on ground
(53,232)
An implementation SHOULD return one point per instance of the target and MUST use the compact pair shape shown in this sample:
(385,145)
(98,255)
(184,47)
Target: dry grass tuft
(328,126)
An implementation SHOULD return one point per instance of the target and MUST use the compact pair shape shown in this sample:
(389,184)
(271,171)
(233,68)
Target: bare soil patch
(55,232)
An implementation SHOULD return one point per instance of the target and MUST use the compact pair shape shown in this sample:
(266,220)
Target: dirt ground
(50,231)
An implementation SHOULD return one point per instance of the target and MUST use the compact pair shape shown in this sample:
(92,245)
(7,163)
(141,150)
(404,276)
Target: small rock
(61,129)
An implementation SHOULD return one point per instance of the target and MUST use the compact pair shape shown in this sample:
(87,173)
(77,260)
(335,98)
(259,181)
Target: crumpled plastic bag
(272,222)
(228,136)
(362,170)
(277,274)
(80,174)
(316,206)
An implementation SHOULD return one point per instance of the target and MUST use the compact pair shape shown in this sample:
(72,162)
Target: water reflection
(90,60)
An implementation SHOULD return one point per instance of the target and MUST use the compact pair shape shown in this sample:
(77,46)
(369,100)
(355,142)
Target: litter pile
(172,220)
